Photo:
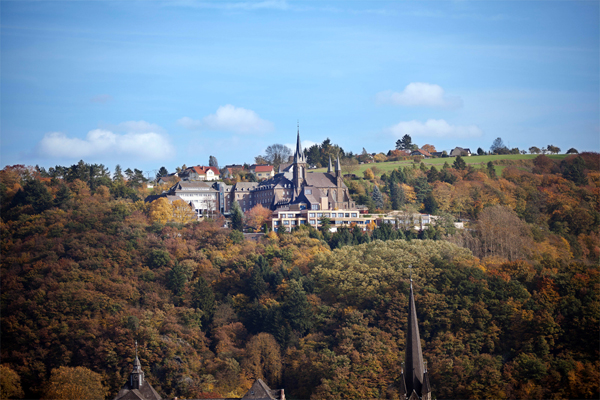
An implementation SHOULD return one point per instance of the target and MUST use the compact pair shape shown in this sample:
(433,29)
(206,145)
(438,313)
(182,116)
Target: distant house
(230,171)
(200,173)
(168,179)
(459,151)
(438,154)
(263,171)
(421,152)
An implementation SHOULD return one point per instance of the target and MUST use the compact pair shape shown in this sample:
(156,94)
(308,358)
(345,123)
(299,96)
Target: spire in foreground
(414,356)
(330,168)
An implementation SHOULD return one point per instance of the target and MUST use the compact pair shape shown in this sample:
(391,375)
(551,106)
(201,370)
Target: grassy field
(475,161)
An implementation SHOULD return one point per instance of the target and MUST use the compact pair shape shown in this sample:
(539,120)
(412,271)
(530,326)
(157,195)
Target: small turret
(136,378)
(330,168)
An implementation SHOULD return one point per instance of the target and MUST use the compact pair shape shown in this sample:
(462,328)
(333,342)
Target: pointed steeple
(330,168)
(414,356)
(299,154)
(136,377)
(338,167)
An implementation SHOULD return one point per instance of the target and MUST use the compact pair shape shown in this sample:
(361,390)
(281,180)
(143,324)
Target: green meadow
(474,160)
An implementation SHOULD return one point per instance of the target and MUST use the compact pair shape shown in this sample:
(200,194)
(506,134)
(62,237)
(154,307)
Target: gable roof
(263,168)
(201,170)
(422,152)
(260,391)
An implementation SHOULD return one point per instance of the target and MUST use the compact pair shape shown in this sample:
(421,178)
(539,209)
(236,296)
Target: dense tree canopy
(508,308)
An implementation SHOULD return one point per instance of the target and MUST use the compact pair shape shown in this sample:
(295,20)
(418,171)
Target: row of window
(286,222)
(333,215)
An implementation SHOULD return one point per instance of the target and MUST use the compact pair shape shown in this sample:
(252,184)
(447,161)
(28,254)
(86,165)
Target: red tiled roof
(263,168)
(201,170)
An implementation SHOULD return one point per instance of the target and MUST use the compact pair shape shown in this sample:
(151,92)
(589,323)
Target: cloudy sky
(147,84)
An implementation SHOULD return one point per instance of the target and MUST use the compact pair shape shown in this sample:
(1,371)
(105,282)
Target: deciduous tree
(161,210)
(263,359)
(183,212)
(68,383)
(10,383)
(429,148)
(257,216)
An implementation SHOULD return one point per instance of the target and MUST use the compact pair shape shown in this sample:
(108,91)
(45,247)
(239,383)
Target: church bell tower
(299,178)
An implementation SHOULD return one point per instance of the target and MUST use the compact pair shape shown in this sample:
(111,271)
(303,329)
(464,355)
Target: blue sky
(147,84)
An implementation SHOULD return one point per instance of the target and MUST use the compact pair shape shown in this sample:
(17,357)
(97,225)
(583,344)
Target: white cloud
(231,119)
(437,128)
(136,143)
(188,123)
(419,94)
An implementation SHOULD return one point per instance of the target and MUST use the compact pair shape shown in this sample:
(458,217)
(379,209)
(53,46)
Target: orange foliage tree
(257,216)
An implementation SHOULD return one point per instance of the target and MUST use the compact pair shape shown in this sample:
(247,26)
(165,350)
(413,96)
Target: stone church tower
(414,381)
(299,179)
(137,387)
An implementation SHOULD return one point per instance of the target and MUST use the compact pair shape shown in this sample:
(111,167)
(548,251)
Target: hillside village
(296,194)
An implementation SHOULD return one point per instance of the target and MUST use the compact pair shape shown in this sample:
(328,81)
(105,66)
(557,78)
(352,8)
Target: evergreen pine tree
(204,299)
(63,197)
(177,279)
(491,170)
(257,283)
(237,218)
(459,163)
(296,308)
(377,197)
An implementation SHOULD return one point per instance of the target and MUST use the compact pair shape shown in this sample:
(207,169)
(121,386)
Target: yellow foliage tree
(409,193)
(10,384)
(442,192)
(161,210)
(263,358)
(68,383)
(182,212)
(102,192)
(368,174)
(380,157)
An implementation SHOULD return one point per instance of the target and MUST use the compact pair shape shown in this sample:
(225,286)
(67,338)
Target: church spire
(338,167)
(414,356)
(299,154)
(137,375)
(330,168)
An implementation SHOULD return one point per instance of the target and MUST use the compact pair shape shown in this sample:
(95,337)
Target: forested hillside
(507,309)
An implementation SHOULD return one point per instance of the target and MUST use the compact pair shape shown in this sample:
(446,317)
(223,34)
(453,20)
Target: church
(297,188)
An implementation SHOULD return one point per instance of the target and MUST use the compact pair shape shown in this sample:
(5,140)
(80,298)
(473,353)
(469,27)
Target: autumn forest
(508,308)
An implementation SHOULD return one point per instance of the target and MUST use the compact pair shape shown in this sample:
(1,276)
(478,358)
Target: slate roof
(245,186)
(321,179)
(145,391)
(260,391)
